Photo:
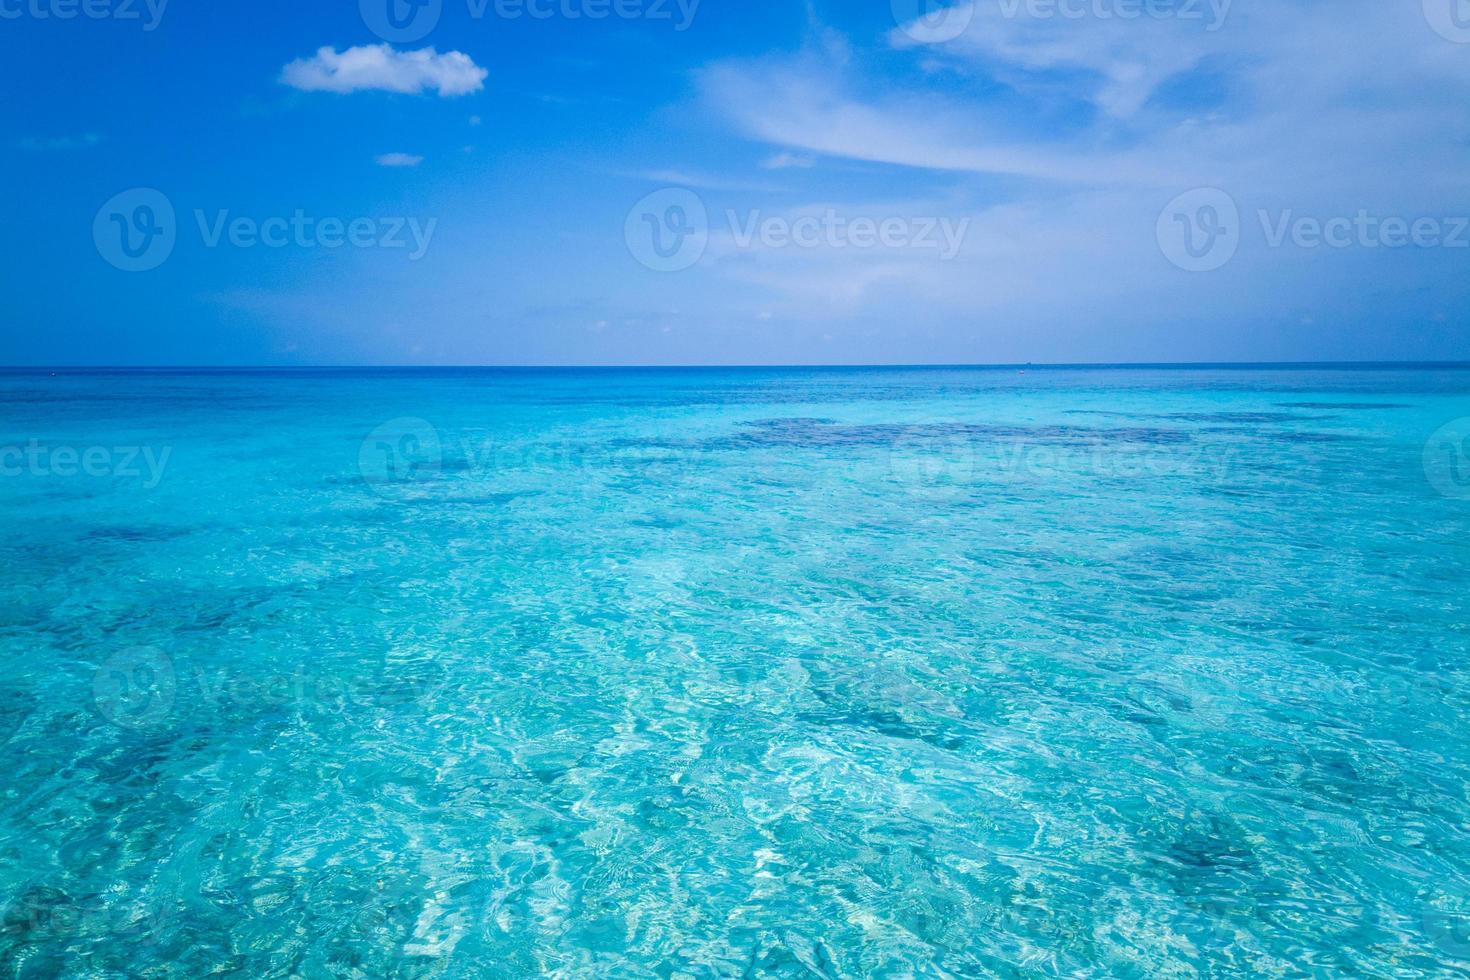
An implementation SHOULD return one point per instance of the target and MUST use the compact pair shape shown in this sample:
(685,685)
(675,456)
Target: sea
(1019,671)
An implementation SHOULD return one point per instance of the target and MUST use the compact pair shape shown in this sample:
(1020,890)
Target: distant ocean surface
(722,673)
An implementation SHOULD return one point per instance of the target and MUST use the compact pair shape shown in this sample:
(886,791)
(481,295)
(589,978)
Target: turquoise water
(736,673)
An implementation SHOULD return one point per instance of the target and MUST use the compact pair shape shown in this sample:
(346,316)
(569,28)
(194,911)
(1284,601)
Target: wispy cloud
(804,104)
(787,161)
(1123,61)
(399,160)
(1142,103)
(1093,126)
(43,144)
(702,181)
(382,68)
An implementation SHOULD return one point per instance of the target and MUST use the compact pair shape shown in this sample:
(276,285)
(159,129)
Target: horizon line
(1022,365)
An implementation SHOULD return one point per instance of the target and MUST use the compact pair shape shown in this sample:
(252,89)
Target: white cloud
(399,160)
(380,67)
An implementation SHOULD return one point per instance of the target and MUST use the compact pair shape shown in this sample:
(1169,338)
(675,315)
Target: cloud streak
(789,161)
(44,144)
(399,160)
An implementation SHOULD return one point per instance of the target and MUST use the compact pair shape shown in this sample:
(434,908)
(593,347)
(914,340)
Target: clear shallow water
(742,673)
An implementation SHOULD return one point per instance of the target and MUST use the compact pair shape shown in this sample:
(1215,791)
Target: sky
(660,182)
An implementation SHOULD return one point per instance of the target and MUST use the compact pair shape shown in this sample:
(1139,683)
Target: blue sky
(1017,180)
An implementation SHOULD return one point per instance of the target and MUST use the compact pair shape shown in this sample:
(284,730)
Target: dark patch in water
(38,913)
(131,533)
(819,433)
(882,722)
(1210,865)
(658,523)
(15,707)
(548,776)
(1239,418)
(783,423)
(496,499)
(1344,406)
(1312,437)
(1278,435)
(1198,852)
